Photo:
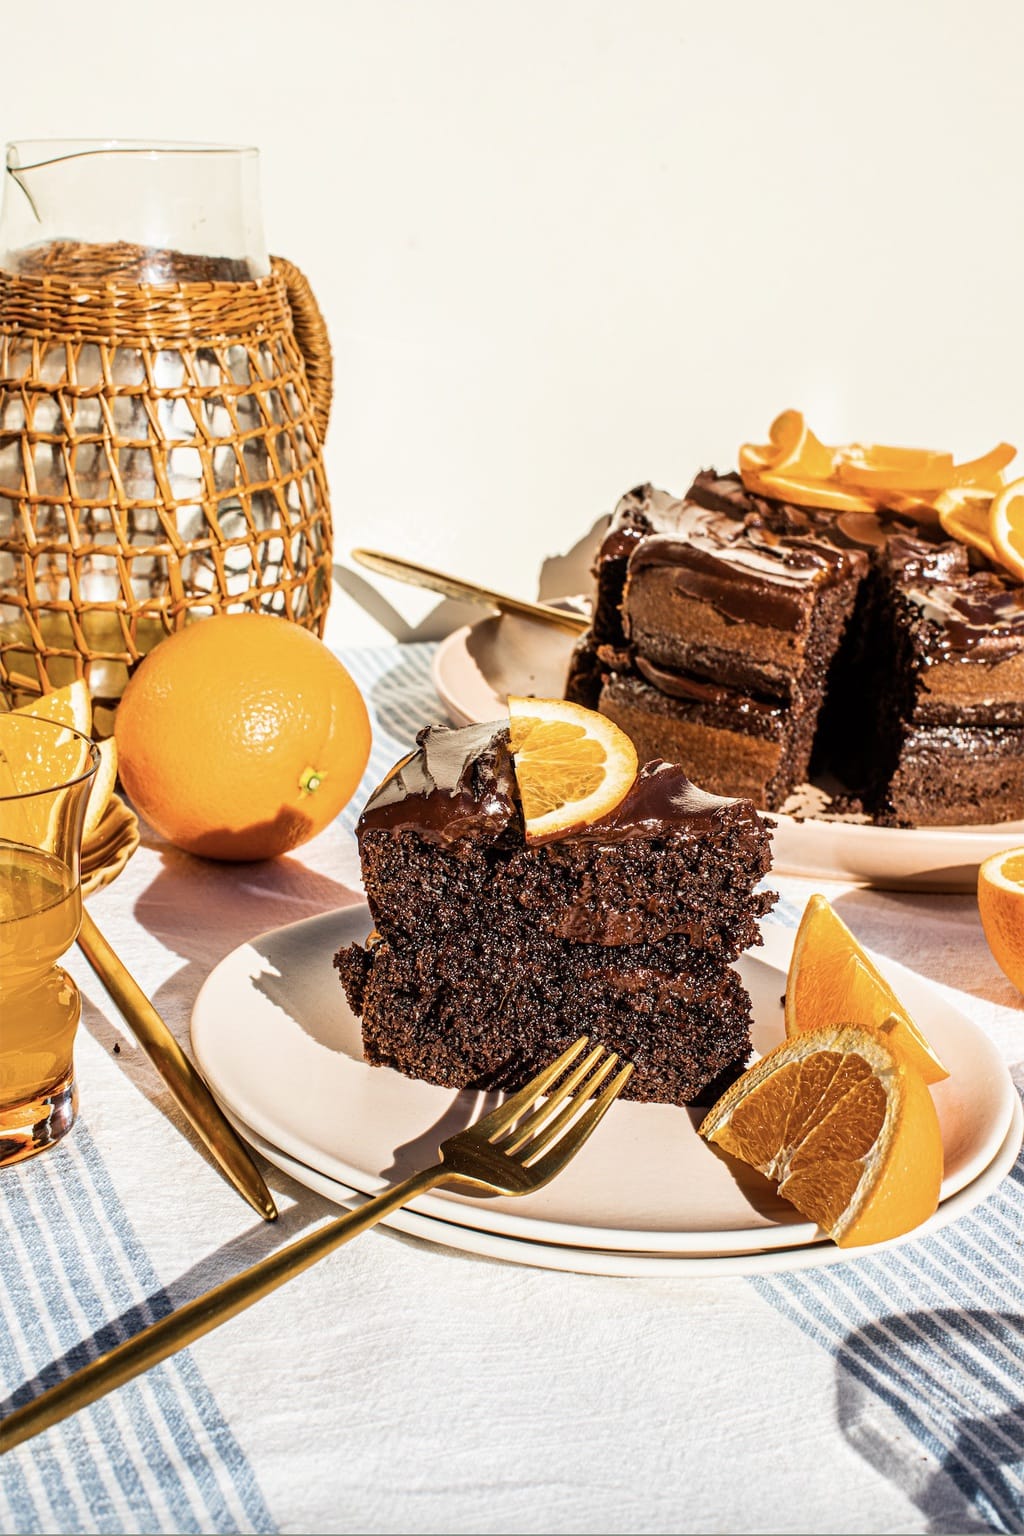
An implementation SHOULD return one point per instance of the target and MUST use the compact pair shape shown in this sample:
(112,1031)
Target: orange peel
(796,466)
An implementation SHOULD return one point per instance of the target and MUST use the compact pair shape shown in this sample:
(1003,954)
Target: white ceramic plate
(603,1261)
(476,668)
(279,1046)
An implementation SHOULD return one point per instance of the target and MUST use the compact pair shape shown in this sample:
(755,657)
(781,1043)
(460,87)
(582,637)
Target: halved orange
(845,1127)
(1006,527)
(832,981)
(573,766)
(1001,907)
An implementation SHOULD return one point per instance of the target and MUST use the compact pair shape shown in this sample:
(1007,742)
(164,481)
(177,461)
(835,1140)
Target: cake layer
(717,741)
(951,776)
(669,860)
(487,1011)
(492,954)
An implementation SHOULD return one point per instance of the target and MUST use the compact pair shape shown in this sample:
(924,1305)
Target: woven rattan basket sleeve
(161,459)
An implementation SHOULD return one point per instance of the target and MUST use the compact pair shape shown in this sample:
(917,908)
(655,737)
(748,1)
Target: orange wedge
(1006,527)
(844,1126)
(102,786)
(831,981)
(1001,905)
(573,766)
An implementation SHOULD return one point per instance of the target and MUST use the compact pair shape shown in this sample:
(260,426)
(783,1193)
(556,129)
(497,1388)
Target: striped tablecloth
(403,1387)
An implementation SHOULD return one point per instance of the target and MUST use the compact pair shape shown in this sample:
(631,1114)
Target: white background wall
(566,245)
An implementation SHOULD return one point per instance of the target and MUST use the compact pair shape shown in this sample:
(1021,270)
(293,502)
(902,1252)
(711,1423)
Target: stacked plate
(646,1196)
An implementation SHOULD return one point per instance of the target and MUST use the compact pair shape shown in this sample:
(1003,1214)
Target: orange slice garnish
(1006,527)
(844,1125)
(934,472)
(807,493)
(573,766)
(864,477)
(831,980)
(986,473)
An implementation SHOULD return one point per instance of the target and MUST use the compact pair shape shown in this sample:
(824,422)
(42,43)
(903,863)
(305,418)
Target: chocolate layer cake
(757,642)
(491,955)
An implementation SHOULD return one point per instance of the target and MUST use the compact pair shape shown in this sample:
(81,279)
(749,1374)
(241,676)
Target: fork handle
(204,1313)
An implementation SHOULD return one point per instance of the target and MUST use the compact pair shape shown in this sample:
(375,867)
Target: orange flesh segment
(846,1129)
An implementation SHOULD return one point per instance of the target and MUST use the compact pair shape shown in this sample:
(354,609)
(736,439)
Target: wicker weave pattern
(160,460)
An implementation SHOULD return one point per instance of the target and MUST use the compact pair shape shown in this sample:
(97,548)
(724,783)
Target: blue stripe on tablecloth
(155,1456)
(935,1328)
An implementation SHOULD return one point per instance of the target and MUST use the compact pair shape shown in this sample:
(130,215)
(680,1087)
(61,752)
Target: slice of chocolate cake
(716,621)
(492,953)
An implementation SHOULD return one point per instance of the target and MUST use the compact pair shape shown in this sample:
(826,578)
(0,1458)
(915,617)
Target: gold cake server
(466,591)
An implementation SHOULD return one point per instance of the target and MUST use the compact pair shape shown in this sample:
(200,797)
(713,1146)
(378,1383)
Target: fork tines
(547,1110)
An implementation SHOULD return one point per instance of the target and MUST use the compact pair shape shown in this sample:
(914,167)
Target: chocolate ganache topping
(461,783)
(749,557)
(967,611)
(661,801)
(458,783)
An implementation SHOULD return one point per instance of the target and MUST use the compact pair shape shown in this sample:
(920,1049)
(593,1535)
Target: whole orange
(241,736)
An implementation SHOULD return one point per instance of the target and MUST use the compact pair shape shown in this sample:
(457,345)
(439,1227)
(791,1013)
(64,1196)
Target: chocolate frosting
(966,611)
(662,800)
(751,558)
(458,783)
(461,783)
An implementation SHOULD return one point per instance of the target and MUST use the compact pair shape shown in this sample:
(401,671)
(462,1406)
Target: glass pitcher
(156,213)
(164,394)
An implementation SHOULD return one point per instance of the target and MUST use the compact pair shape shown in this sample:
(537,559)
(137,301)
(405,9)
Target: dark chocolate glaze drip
(461,783)
(663,801)
(458,783)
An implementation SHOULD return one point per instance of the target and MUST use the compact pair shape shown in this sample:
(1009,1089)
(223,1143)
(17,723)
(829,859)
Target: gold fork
(514,1150)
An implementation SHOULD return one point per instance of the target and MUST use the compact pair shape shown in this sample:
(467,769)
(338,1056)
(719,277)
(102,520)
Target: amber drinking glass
(46,771)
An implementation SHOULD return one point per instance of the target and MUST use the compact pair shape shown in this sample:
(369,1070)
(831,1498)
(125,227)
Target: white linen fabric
(403,1387)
